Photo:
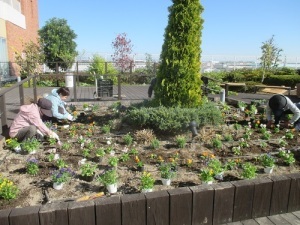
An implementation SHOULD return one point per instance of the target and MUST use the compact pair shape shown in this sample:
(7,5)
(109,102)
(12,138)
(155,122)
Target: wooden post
(108,210)
(133,209)
(82,213)
(119,87)
(25,216)
(280,194)
(180,206)
(294,198)
(243,200)
(203,204)
(54,213)
(158,208)
(262,197)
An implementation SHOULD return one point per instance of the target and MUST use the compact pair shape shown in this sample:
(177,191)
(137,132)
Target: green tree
(150,64)
(97,67)
(29,59)
(58,43)
(178,78)
(270,56)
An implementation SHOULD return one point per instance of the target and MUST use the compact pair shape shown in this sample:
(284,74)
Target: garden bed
(240,140)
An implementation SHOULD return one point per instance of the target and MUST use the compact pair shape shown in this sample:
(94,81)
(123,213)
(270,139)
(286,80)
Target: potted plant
(100,153)
(139,164)
(61,176)
(30,145)
(13,144)
(242,105)
(88,171)
(147,182)
(217,168)
(207,175)
(32,166)
(249,170)
(166,173)
(267,162)
(109,178)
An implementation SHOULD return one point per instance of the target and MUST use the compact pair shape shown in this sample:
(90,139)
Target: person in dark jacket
(280,105)
(151,87)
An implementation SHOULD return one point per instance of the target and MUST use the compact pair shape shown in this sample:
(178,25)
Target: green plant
(124,157)
(88,169)
(108,177)
(66,146)
(267,160)
(113,161)
(86,152)
(127,139)
(287,156)
(12,143)
(249,170)
(106,129)
(180,141)
(51,157)
(166,171)
(8,190)
(100,152)
(52,141)
(242,104)
(206,175)
(147,181)
(31,144)
(32,166)
(62,175)
(228,137)
(216,166)
(289,134)
(61,163)
(133,151)
(217,142)
(237,150)
(154,144)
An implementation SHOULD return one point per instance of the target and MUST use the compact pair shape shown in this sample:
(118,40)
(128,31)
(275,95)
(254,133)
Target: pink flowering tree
(123,48)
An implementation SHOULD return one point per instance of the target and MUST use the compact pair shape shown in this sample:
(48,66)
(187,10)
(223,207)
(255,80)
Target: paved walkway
(281,219)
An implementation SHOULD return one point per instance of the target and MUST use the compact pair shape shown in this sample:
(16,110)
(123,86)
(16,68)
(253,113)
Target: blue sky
(231,27)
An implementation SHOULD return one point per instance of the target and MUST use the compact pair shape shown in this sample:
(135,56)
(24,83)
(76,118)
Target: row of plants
(213,168)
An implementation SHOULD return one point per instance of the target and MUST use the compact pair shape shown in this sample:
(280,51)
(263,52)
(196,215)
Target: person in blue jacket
(57,97)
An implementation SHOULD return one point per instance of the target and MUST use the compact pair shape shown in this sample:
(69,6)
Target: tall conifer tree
(178,79)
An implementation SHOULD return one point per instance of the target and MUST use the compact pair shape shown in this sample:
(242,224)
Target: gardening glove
(70,117)
(54,135)
(39,135)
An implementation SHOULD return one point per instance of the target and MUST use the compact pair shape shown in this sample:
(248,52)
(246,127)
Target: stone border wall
(204,204)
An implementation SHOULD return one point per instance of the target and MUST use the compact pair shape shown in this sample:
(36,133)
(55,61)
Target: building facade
(19,24)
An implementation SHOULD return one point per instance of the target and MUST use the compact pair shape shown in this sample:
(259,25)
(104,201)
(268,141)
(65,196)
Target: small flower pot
(87,178)
(82,161)
(56,156)
(147,190)
(269,169)
(140,168)
(17,149)
(112,188)
(166,182)
(58,186)
(207,182)
(32,152)
(219,176)
(242,109)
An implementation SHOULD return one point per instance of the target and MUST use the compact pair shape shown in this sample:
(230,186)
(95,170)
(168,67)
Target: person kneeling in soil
(58,109)
(279,106)
(28,123)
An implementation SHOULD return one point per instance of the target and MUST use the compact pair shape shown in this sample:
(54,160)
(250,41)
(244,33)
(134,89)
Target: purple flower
(32,160)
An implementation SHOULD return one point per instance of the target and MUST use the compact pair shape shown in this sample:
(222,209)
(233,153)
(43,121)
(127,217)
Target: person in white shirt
(279,106)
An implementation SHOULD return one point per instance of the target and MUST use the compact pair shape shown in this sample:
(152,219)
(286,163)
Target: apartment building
(18,24)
